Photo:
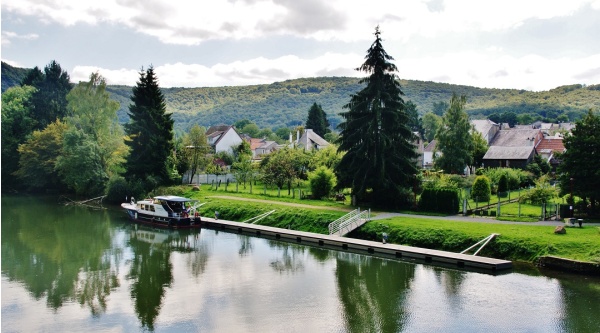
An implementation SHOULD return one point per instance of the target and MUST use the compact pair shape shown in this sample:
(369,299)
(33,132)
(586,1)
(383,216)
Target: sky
(522,44)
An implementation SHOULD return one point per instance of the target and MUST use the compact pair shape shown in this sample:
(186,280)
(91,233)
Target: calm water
(74,269)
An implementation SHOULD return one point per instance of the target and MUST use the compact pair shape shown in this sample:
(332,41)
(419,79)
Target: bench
(571,222)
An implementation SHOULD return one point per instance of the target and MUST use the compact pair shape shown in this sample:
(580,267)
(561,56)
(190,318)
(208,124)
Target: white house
(223,138)
(311,140)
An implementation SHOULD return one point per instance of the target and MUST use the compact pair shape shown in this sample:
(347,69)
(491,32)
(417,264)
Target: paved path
(376,215)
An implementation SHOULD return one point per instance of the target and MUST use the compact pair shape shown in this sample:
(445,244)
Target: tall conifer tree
(380,151)
(150,132)
(317,120)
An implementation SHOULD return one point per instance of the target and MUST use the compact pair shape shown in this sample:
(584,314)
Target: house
(428,152)
(514,148)
(261,147)
(486,128)
(311,140)
(549,147)
(419,148)
(223,138)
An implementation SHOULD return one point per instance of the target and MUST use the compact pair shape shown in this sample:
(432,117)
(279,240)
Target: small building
(514,148)
(487,128)
(311,140)
(428,152)
(223,138)
(261,147)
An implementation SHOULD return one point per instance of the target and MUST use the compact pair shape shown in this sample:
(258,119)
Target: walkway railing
(349,222)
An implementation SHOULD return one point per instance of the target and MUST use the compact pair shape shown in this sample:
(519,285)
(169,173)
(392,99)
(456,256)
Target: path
(384,215)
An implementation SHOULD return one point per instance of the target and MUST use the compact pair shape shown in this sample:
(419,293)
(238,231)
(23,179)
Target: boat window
(152,208)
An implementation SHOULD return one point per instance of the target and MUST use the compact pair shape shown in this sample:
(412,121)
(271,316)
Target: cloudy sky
(524,44)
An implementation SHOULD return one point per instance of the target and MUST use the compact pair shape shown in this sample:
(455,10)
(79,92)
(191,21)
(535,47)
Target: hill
(12,76)
(283,104)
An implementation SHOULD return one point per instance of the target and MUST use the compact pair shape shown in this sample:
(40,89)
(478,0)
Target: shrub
(542,192)
(441,200)
(481,191)
(503,186)
(322,181)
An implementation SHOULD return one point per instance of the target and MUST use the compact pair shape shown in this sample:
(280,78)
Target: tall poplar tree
(454,138)
(380,152)
(317,120)
(150,133)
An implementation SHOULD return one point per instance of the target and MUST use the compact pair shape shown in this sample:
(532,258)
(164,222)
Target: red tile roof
(554,144)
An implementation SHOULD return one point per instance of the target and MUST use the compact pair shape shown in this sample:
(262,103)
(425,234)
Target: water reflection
(58,259)
(372,292)
(92,270)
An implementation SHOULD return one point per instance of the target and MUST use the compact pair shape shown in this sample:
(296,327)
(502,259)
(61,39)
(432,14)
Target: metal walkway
(349,222)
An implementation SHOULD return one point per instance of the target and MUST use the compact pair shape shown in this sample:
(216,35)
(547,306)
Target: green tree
(481,190)
(579,171)
(17,126)
(194,151)
(322,181)
(539,166)
(439,108)
(317,120)
(93,147)
(278,168)
(242,168)
(37,157)
(415,123)
(431,124)
(479,148)
(328,157)
(150,132)
(380,153)
(454,139)
(50,99)
(251,129)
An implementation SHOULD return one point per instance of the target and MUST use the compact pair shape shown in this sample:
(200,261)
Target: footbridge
(349,222)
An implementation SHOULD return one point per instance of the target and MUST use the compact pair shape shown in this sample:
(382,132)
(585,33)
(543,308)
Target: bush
(503,186)
(481,191)
(322,181)
(441,200)
(118,190)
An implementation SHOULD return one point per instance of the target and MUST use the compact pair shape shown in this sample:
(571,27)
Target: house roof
(431,146)
(515,138)
(483,126)
(508,153)
(553,144)
(255,143)
(217,128)
(309,138)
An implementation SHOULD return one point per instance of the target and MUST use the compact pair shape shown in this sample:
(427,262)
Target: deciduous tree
(454,139)
(380,152)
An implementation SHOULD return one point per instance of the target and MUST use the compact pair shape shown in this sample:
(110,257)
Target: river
(72,269)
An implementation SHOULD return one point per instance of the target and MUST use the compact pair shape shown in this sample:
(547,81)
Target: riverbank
(518,241)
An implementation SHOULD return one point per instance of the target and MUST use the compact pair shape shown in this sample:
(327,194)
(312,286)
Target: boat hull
(164,222)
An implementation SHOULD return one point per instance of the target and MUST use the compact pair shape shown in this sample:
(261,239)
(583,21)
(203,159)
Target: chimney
(297,136)
(291,140)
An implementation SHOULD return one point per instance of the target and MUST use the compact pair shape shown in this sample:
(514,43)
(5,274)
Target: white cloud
(254,71)
(192,22)
(8,36)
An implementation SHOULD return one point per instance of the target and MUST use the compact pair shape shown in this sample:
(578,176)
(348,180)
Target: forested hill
(287,103)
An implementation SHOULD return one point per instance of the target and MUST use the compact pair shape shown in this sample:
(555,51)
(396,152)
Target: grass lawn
(520,242)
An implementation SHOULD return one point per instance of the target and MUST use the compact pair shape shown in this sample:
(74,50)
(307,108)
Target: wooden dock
(435,257)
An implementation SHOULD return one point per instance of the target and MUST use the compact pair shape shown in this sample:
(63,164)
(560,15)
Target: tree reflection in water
(292,257)
(372,292)
(66,259)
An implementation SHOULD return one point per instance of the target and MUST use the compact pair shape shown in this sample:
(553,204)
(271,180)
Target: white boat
(165,211)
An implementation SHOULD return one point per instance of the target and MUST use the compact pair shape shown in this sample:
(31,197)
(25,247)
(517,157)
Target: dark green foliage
(503,186)
(415,123)
(380,154)
(440,200)
(117,190)
(454,138)
(50,100)
(539,166)
(580,170)
(317,120)
(150,133)
(481,190)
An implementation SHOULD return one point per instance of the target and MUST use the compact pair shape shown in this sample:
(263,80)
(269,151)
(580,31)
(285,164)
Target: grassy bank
(516,241)
(521,242)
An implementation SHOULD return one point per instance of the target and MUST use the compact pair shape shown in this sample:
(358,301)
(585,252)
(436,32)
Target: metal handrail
(348,221)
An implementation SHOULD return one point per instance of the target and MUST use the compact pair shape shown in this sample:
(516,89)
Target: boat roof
(173,198)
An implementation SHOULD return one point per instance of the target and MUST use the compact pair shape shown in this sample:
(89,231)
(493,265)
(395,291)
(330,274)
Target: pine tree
(380,152)
(150,132)
(317,120)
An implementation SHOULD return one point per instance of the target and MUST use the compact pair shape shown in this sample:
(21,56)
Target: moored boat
(165,211)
